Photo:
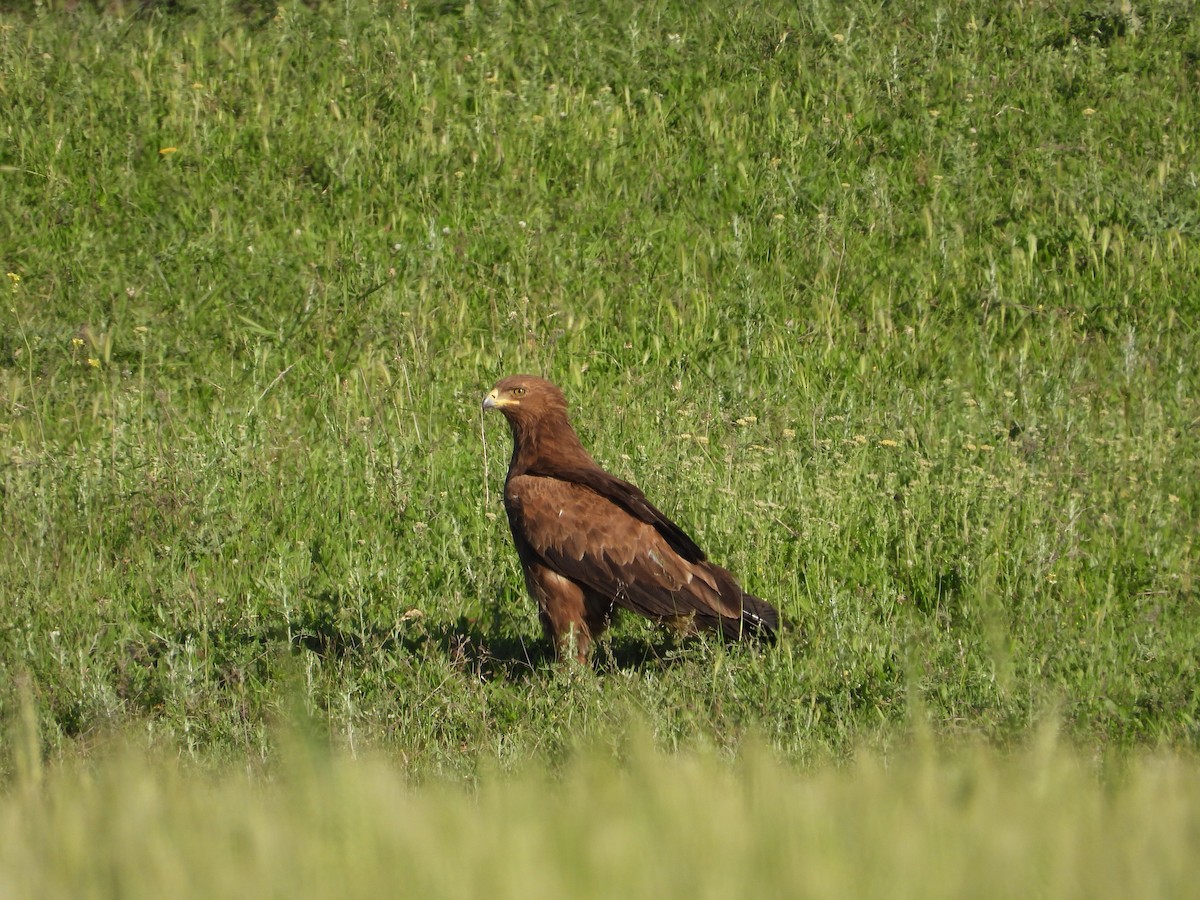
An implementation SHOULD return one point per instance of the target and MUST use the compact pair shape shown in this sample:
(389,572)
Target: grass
(1042,821)
(894,310)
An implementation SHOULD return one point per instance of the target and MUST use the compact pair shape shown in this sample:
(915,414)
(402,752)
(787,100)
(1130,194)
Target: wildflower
(76,342)
(93,362)
(1089,112)
(789,433)
(167,151)
(888,442)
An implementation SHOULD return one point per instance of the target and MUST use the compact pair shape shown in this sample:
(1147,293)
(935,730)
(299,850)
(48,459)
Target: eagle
(590,542)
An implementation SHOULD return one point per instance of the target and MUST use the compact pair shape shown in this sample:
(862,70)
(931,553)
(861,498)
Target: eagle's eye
(518,392)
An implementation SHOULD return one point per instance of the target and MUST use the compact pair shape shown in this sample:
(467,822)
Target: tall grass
(1040,822)
(893,309)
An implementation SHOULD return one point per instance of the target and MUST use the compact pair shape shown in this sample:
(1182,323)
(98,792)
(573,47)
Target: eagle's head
(525,398)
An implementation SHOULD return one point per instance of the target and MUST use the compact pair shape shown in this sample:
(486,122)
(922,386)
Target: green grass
(895,310)
(1042,822)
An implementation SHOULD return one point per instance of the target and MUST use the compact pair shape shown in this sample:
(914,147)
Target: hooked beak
(489,400)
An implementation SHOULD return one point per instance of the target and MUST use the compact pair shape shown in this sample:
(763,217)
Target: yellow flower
(167,151)
(93,362)
(888,442)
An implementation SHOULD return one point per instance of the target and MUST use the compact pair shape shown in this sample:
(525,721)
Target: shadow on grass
(499,647)
(495,650)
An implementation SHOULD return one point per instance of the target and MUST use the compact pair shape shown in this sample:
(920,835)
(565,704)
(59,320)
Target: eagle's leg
(561,609)
(598,611)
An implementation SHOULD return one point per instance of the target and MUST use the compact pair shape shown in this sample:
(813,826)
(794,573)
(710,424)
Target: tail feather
(759,619)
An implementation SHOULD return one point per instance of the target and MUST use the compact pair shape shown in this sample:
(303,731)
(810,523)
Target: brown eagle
(589,541)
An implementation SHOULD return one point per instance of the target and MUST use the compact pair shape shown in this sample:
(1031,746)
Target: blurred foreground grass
(1040,822)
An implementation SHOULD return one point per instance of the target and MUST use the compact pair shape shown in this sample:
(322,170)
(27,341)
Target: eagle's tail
(759,619)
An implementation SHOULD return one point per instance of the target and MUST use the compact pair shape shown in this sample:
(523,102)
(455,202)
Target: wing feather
(626,495)
(597,542)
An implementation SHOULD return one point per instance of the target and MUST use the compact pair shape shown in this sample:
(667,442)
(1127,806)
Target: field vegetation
(894,307)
